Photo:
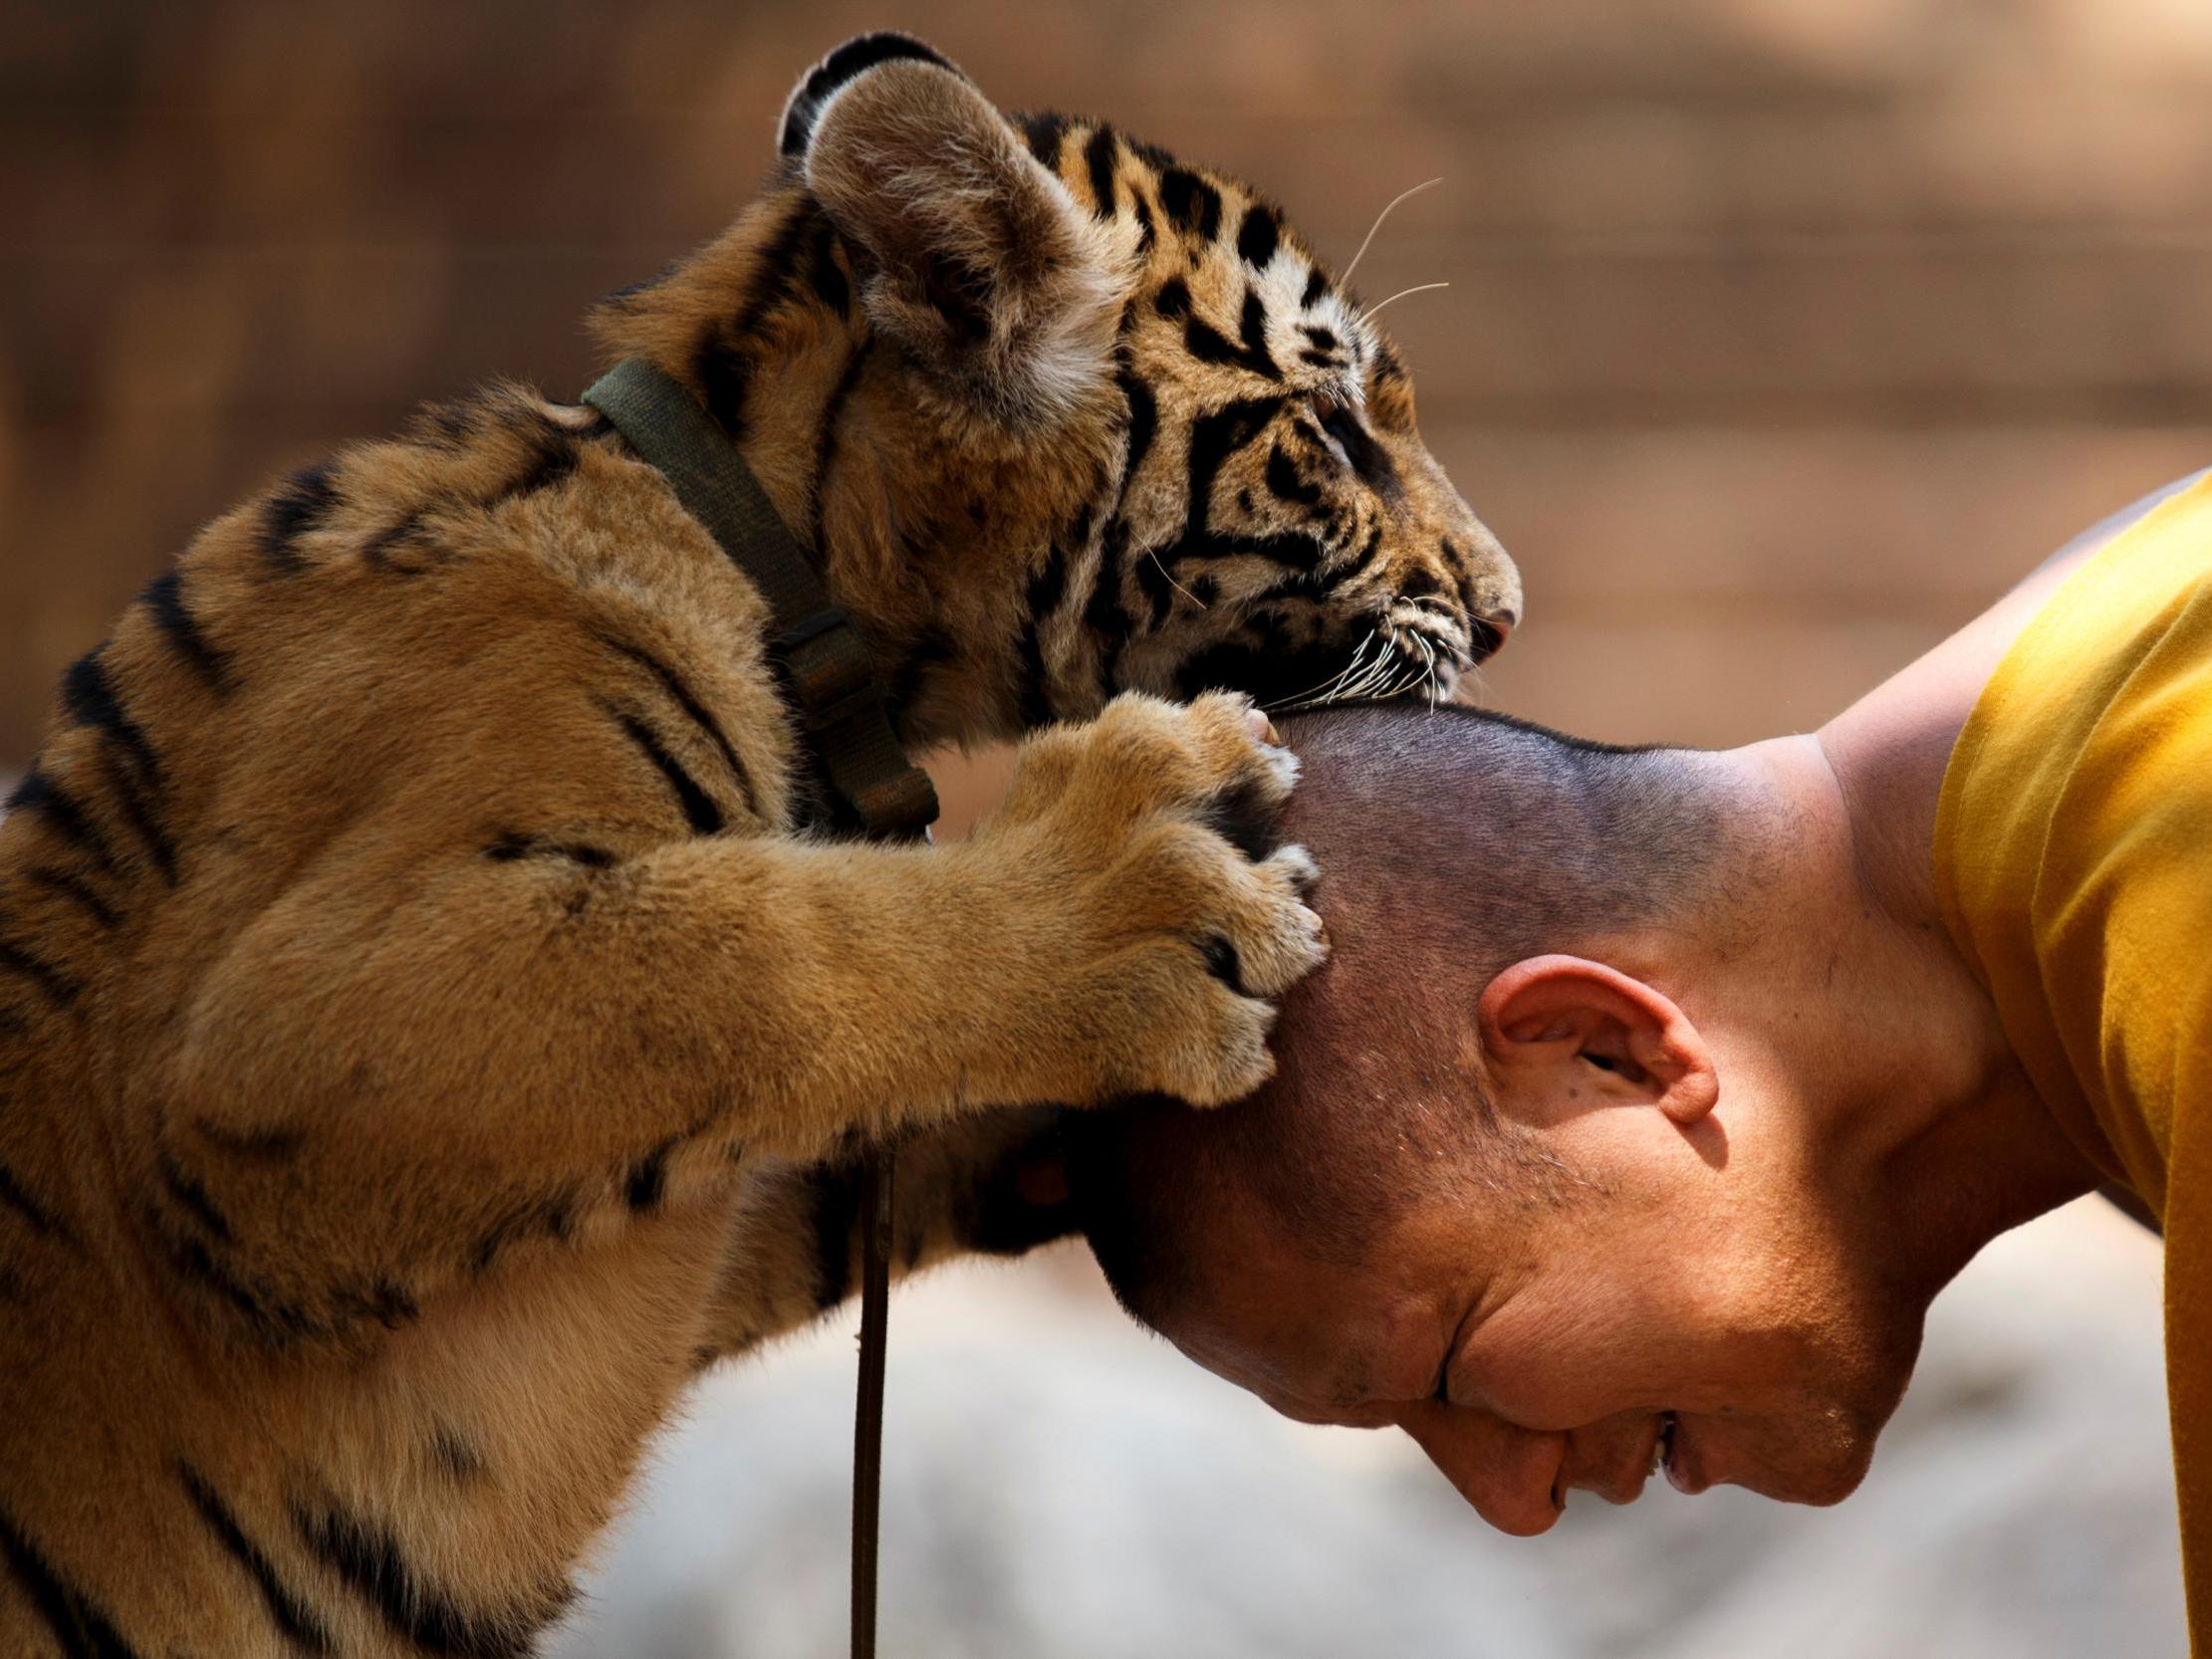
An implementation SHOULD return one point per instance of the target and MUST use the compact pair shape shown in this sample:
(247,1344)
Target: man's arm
(2069,557)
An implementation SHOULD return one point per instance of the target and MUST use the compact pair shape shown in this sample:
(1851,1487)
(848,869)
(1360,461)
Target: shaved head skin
(1453,843)
(1578,1163)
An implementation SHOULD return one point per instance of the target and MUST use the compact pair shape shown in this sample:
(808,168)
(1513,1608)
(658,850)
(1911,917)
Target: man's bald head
(1452,842)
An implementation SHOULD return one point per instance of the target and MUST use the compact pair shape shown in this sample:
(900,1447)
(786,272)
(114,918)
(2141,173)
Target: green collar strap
(874,789)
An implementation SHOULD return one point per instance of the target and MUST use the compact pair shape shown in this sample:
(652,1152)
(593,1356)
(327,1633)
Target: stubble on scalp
(1452,842)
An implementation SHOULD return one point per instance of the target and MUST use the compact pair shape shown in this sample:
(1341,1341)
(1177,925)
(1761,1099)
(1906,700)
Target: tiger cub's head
(1066,416)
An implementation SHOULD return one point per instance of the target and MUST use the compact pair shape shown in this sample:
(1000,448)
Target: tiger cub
(426,1038)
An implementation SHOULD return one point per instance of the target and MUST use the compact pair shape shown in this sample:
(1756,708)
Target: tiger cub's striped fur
(424,1039)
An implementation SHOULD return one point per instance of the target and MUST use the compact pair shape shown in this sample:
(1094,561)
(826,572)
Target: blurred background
(1781,335)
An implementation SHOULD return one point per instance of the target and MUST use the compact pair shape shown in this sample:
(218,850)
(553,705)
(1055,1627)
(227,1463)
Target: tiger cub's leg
(500,1046)
(990,1184)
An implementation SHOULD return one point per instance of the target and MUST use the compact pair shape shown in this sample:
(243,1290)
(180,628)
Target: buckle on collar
(842,707)
(828,666)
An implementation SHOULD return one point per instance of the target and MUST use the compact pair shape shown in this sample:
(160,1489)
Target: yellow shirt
(2073,862)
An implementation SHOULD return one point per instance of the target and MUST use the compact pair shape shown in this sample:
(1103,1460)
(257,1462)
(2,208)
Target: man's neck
(1878,1032)
(1890,750)
(1935,1115)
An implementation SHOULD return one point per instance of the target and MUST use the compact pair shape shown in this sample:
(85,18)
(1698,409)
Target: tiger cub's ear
(974,259)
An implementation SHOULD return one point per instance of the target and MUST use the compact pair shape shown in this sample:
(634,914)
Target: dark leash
(868,788)
(876,1199)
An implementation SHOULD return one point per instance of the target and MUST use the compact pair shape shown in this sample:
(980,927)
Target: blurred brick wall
(1781,332)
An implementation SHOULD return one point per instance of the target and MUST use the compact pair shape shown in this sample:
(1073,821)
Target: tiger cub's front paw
(1140,844)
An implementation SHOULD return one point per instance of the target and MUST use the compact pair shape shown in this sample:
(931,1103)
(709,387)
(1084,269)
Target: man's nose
(1511,1475)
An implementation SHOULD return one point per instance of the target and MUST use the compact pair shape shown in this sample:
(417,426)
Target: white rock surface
(1059,1484)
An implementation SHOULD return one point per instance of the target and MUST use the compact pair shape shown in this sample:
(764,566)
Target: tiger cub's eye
(1326,403)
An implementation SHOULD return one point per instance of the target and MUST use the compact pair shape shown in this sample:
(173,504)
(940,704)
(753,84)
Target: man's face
(1679,1300)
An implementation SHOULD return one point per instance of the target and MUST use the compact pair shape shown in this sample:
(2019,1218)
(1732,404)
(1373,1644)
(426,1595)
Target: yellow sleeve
(2073,861)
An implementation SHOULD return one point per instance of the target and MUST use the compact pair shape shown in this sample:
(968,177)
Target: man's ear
(974,259)
(1550,1015)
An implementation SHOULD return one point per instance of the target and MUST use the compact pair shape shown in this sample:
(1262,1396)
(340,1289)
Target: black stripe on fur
(81,1625)
(1259,236)
(824,272)
(551,1215)
(1157,587)
(1420,583)
(1249,352)
(1097,159)
(1191,202)
(1214,438)
(191,1259)
(514,846)
(136,803)
(80,893)
(1284,484)
(380,551)
(1104,613)
(274,1321)
(1369,551)
(1151,154)
(648,1181)
(89,696)
(16,1197)
(699,809)
(626,296)
(1145,234)
(551,459)
(721,362)
(165,601)
(299,506)
(825,449)
(58,988)
(1144,427)
(688,701)
(456,1453)
(1368,459)
(848,63)
(1043,131)
(270,1144)
(371,1559)
(291,1615)
(390,1304)
(188,1192)
(1043,597)
(556,1215)
(64,815)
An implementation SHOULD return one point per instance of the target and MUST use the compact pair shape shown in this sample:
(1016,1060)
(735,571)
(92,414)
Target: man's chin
(1816,1488)
(1702,1460)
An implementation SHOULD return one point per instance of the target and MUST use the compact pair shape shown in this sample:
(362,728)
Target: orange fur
(428,1037)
